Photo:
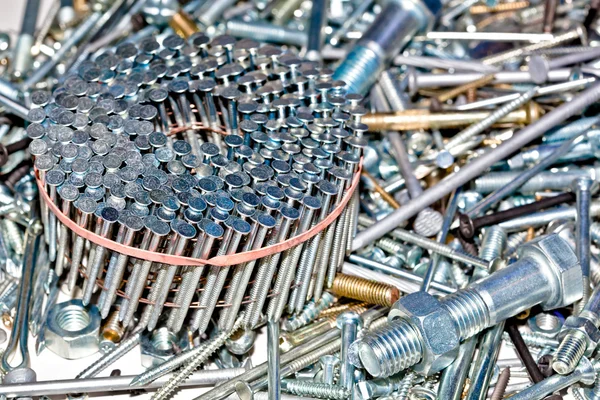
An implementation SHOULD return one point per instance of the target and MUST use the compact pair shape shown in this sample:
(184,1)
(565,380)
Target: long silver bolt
(387,351)
(156,230)
(290,259)
(190,276)
(215,280)
(243,272)
(68,193)
(114,274)
(428,221)
(267,266)
(108,217)
(583,188)
(349,323)
(86,207)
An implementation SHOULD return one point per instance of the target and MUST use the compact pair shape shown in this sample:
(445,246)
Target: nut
(158,346)
(72,330)
(545,324)
(438,333)
(563,266)
(585,326)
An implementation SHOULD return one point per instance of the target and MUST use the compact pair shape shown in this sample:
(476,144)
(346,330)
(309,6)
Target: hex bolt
(108,216)
(349,323)
(584,373)
(428,221)
(467,311)
(578,336)
(115,271)
(468,227)
(387,35)
(86,206)
(371,292)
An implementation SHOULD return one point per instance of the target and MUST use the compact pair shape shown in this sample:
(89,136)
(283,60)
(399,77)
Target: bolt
(349,323)
(388,34)
(365,290)
(383,353)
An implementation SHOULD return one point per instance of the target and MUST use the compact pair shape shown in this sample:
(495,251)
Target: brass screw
(502,7)
(425,119)
(113,328)
(183,24)
(365,290)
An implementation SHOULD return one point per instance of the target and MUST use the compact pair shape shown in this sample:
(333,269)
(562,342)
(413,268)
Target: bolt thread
(113,329)
(570,131)
(513,242)
(395,347)
(110,357)
(391,246)
(202,354)
(405,386)
(501,385)
(365,290)
(318,390)
(469,312)
(359,70)
(310,313)
(493,243)
(569,353)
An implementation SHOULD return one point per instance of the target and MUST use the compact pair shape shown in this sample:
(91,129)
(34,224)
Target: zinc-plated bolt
(397,347)
(371,292)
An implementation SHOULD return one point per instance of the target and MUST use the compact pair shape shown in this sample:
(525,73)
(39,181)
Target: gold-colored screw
(502,7)
(424,119)
(113,328)
(337,310)
(365,290)
(183,24)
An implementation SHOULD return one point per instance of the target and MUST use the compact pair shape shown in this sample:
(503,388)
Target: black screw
(468,227)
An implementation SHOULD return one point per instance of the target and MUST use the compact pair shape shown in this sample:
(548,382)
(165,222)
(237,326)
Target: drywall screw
(356,288)
(431,245)
(428,221)
(108,217)
(425,119)
(216,275)
(349,323)
(500,388)
(468,227)
(310,312)
(290,259)
(384,353)
(115,271)
(390,32)
(242,273)
(111,384)
(273,360)
(574,344)
(314,389)
(86,206)
(111,356)
(156,231)
(583,188)
(585,373)
(200,357)
(267,266)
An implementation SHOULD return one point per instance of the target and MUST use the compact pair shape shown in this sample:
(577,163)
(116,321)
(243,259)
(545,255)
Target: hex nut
(437,330)
(545,324)
(585,326)
(72,330)
(563,266)
(158,346)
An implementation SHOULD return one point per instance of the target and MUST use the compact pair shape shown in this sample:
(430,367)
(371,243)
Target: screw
(365,290)
(329,364)
(500,388)
(349,323)
(313,389)
(310,312)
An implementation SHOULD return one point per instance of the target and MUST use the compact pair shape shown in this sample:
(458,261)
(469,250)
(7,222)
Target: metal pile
(395,199)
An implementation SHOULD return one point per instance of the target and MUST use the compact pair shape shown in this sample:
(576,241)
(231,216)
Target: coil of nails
(391,200)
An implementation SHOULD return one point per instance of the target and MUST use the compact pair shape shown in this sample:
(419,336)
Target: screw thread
(359,70)
(393,348)
(318,390)
(569,353)
(365,290)
(513,242)
(493,243)
(310,313)
(110,357)
(469,312)
(201,355)
(595,232)
(595,395)
(405,386)
(501,385)
(266,32)
(393,247)
(535,340)
(542,181)
(323,261)
(13,235)
(113,329)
